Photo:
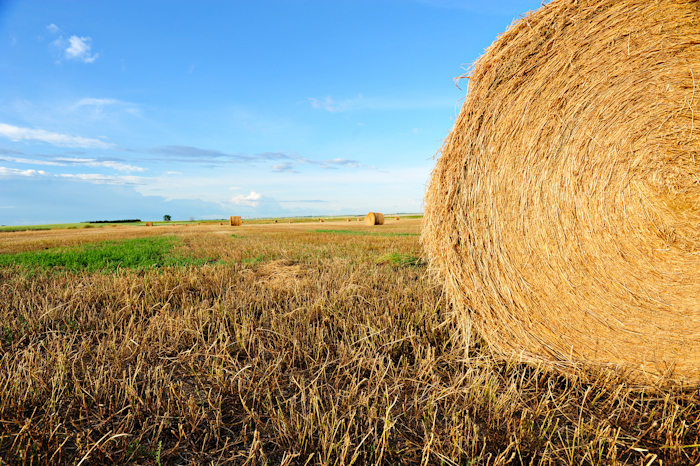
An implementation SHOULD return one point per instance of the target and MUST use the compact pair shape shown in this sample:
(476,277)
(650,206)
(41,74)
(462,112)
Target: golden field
(305,343)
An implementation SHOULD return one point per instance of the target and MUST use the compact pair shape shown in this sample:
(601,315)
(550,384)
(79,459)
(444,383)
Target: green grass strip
(362,233)
(138,254)
(402,260)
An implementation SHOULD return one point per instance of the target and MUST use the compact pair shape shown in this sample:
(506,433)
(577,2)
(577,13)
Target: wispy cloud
(284,167)
(63,161)
(273,155)
(196,154)
(95,178)
(332,164)
(252,199)
(99,107)
(31,161)
(97,102)
(53,28)
(14,172)
(345,162)
(15,133)
(102,163)
(5,151)
(326,103)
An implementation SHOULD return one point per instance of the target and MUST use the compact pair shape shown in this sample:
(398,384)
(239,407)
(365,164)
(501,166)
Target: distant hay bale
(235,221)
(348,220)
(359,219)
(275,221)
(149,224)
(374,218)
(320,220)
(397,218)
(562,215)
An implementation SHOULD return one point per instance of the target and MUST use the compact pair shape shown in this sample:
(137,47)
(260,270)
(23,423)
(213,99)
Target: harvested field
(289,345)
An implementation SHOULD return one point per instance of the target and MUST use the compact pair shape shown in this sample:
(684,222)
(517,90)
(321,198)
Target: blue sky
(207,109)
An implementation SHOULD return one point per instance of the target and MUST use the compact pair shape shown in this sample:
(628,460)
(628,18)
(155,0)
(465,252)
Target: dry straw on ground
(563,213)
(374,218)
(235,221)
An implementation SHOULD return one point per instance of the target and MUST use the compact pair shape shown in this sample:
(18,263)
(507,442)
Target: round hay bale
(374,218)
(397,218)
(235,221)
(149,224)
(562,215)
(348,220)
(320,220)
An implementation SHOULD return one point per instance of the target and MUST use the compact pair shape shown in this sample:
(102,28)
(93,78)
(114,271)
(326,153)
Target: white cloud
(11,172)
(77,48)
(95,178)
(251,200)
(103,163)
(173,173)
(53,28)
(16,133)
(80,49)
(97,102)
(31,161)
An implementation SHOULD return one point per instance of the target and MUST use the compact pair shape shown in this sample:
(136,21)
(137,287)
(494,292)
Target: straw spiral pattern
(563,214)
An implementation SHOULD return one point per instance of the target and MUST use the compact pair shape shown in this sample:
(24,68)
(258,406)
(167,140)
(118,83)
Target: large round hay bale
(563,214)
(235,221)
(374,218)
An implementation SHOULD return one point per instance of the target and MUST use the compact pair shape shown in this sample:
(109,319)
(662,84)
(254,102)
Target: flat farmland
(305,343)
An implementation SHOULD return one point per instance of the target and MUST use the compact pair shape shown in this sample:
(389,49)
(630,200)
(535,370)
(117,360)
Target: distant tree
(166,218)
